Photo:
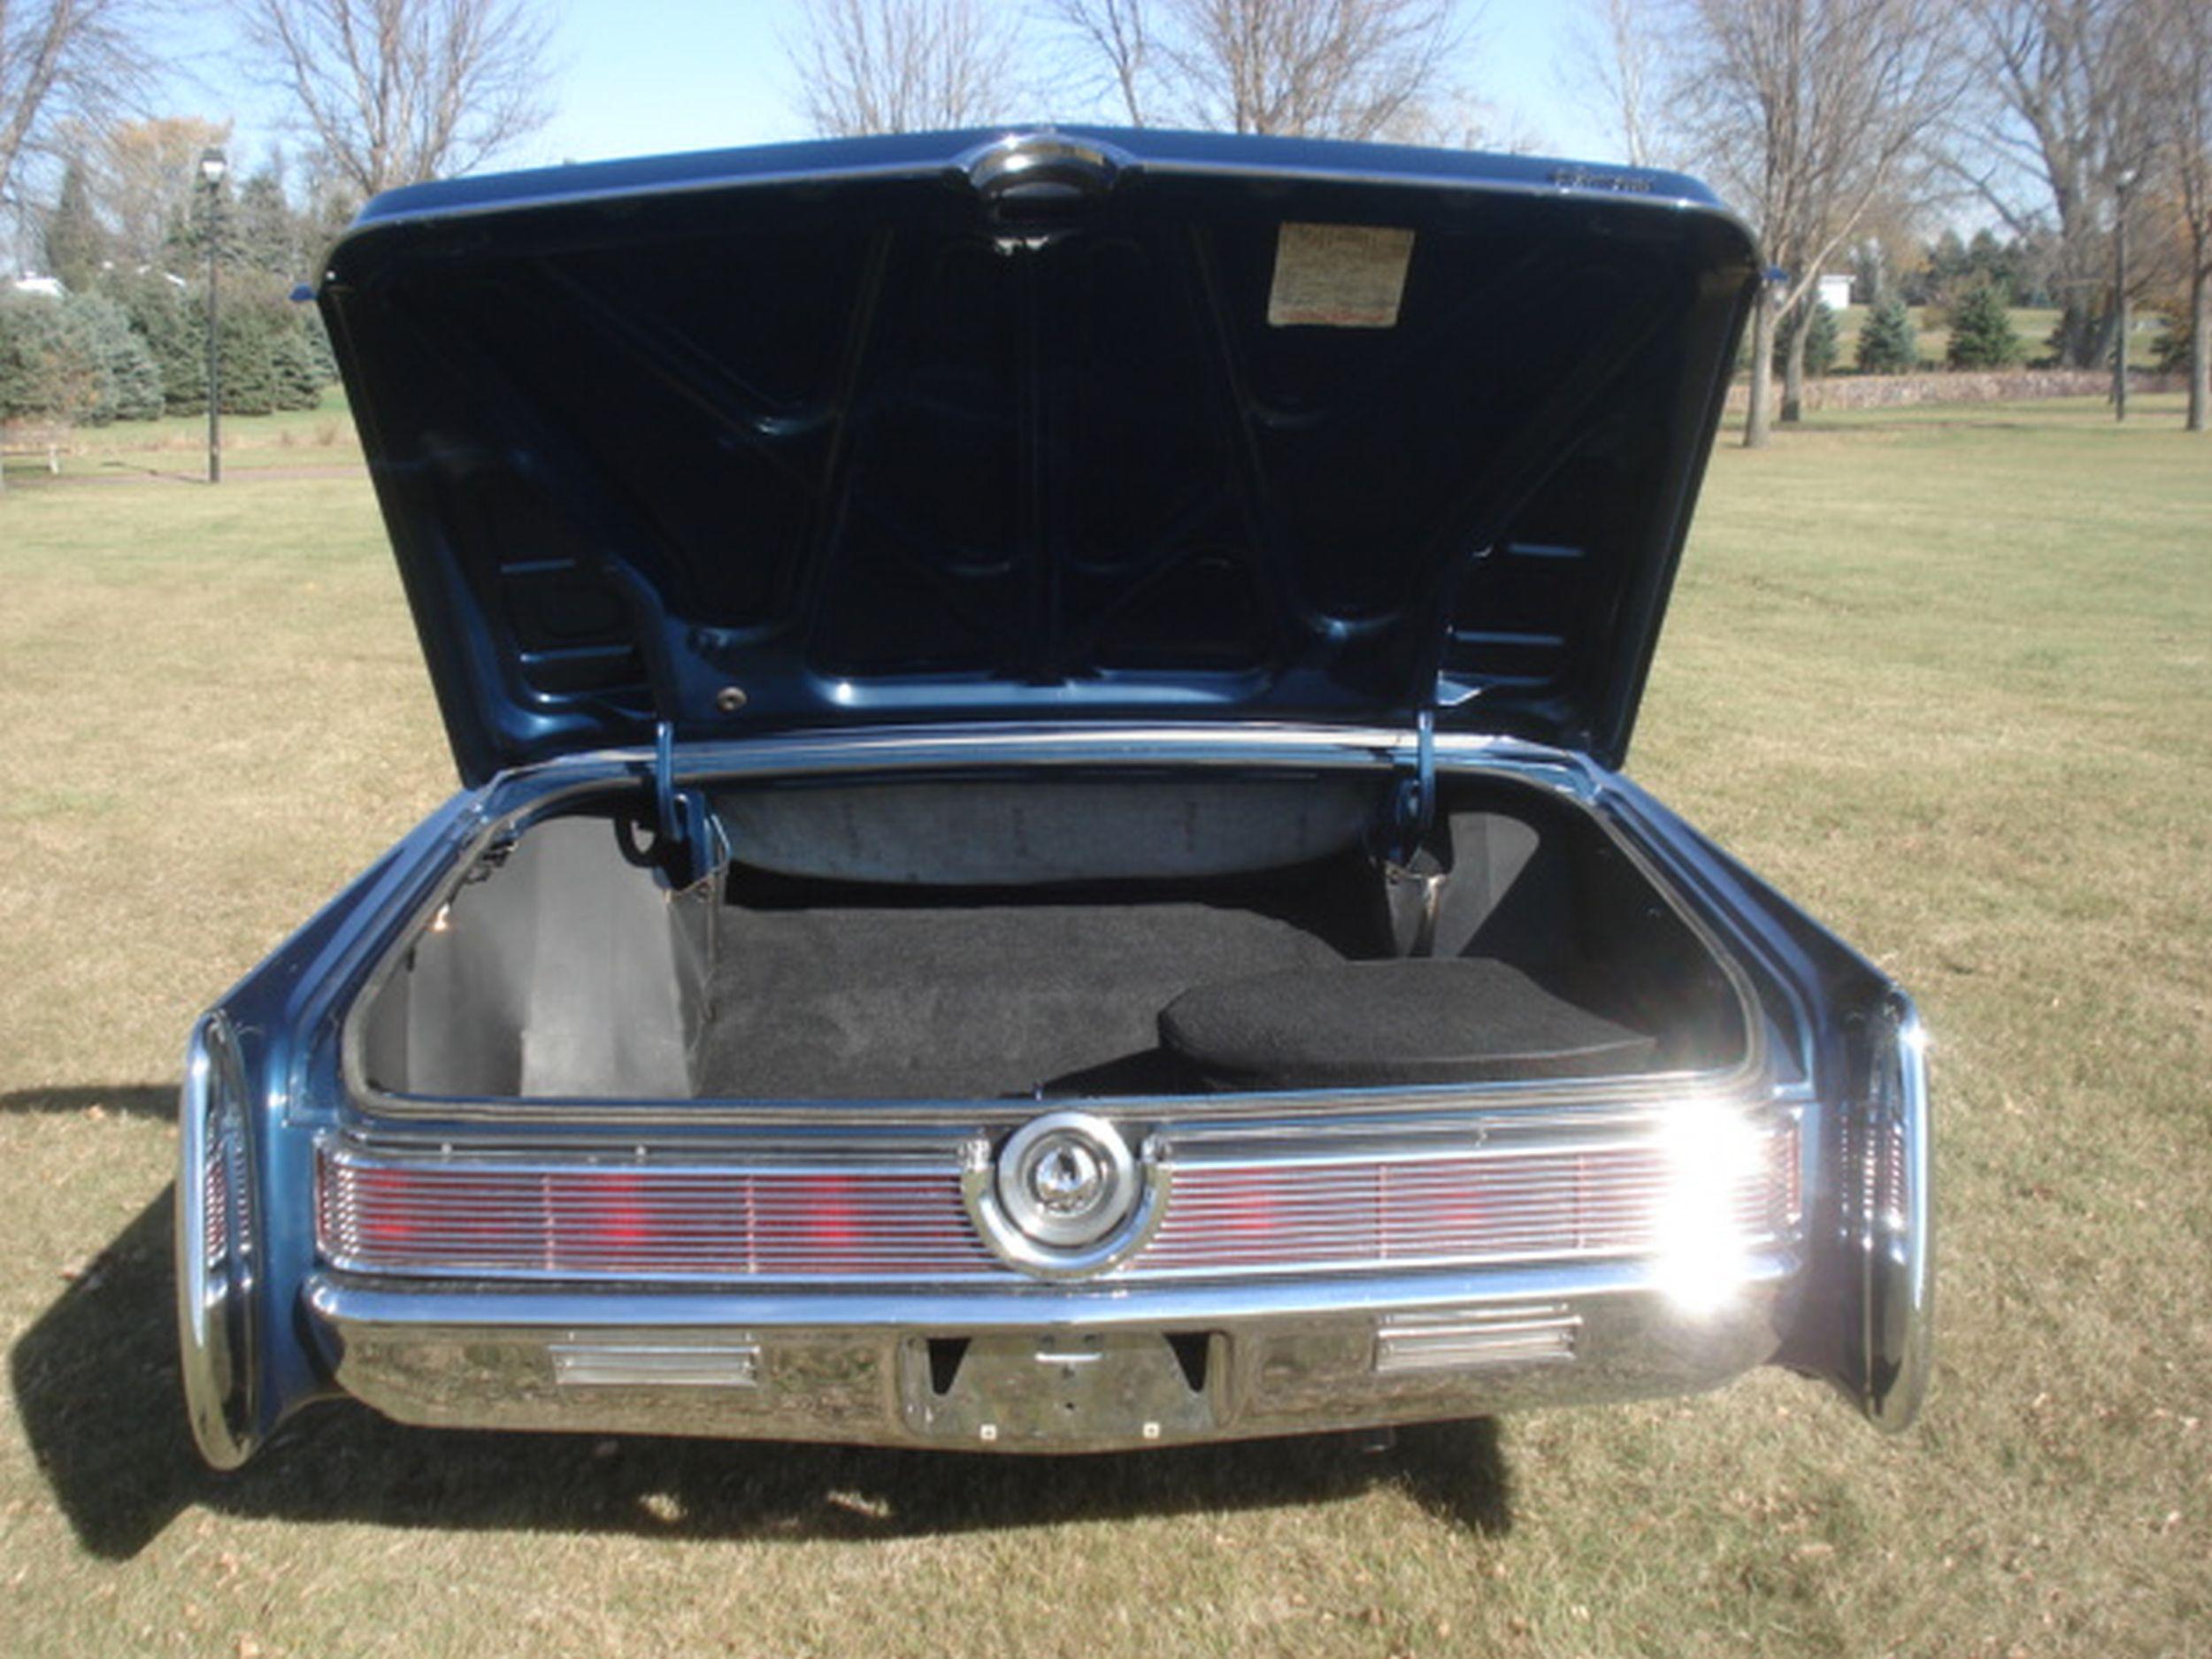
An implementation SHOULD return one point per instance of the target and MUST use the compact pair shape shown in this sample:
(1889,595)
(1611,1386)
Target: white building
(1835,289)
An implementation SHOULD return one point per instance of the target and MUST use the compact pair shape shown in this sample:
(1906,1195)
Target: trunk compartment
(990,938)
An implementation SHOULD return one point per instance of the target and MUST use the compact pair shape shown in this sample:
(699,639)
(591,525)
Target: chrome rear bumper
(1050,1368)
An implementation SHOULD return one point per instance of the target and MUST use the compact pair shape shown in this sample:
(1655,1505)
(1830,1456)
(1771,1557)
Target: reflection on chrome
(1704,1257)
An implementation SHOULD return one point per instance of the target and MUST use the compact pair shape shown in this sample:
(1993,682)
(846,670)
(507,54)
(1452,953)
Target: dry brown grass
(1948,679)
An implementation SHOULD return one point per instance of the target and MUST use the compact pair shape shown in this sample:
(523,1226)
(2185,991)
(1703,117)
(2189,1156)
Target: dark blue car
(1042,862)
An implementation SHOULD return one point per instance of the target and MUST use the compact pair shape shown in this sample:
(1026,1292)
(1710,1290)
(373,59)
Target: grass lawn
(1945,675)
(175,446)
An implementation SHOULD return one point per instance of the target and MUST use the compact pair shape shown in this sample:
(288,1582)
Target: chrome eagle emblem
(1066,1181)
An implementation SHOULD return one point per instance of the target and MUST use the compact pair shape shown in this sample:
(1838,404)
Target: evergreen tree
(126,381)
(1822,341)
(163,313)
(1887,342)
(74,361)
(318,338)
(248,336)
(1982,336)
(72,244)
(267,233)
(43,375)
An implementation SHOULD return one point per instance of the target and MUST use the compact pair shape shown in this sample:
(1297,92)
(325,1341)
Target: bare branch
(1614,56)
(392,92)
(143,176)
(1116,34)
(2060,116)
(65,63)
(2177,95)
(1809,114)
(905,66)
(1333,68)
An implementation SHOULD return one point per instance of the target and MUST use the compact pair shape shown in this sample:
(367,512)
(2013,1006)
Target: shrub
(1981,332)
(1888,343)
(74,360)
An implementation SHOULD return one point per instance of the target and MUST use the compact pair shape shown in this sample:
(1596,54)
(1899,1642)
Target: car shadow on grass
(97,1391)
(157,1101)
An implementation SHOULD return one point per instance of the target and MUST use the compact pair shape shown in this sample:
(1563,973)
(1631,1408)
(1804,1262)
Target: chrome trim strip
(456,1310)
(626,1364)
(1896,1229)
(1461,1339)
(218,1331)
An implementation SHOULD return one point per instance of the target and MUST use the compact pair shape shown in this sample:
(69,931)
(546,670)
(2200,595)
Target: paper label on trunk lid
(1339,276)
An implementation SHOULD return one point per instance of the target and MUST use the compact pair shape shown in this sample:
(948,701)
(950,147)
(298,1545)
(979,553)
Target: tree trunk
(1801,328)
(2103,335)
(1757,418)
(2199,347)
(2082,337)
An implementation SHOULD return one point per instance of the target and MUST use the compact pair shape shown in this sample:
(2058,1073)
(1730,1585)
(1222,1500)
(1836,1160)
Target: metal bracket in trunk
(687,846)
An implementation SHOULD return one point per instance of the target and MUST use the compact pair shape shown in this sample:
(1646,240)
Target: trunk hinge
(686,837)
(1413,808)
(1413,874)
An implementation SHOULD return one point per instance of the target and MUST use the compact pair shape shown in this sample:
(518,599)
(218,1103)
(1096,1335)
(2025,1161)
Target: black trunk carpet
(984,1001)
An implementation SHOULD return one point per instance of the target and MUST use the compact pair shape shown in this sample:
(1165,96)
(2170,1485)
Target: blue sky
(641,77)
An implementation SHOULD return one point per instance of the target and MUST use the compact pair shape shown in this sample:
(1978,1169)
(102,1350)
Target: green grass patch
(1945,675)
(175,446)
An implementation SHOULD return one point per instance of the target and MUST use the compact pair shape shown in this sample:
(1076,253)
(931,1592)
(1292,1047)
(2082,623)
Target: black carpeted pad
(1441,1020)
(915,1003)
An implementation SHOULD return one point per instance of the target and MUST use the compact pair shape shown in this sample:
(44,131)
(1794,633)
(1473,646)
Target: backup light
(1711,1153)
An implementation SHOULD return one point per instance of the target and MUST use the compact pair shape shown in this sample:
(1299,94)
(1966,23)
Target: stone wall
(1992,386)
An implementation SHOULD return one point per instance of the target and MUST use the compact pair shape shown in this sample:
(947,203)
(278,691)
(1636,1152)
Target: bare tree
(1114,33)
(1614,53)
(143,177)
(2058,123)
(64,64)
(393,92)
(2180,94)
(1809,114)
(1326,68)
(905,66)
(1454,117)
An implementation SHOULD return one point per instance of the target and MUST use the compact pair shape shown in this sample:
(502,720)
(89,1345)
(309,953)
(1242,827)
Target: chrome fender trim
(217,1339)
(1893,1228)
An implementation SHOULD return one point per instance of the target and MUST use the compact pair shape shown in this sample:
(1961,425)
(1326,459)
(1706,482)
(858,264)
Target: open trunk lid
(1054,425)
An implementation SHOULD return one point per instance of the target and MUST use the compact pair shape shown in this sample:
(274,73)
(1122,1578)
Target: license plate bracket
(1042,1390)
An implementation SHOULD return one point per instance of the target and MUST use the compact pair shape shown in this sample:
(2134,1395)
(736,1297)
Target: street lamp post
(212,166)
(2121,185)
